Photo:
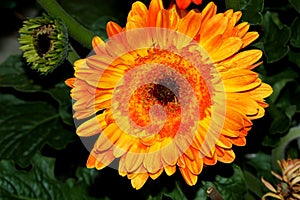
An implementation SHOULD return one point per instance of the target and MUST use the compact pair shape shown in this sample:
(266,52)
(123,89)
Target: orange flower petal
(190,24)
(170,170)
(123,144)
(249,38)
(240,141)
(138,16)
(195,166)
(154,8)
(170,153)
(197,2)
(243,60)
(98,45)
(104,159)
(208,12)
(108,137)
(139,180)
(242,29)
(122,171)
(246,105)
(220,152)
(223,141)
(228,13)
(189,178)
(113,28)
(156,175)
(167,19)
(262,91)
(230,133)
(83,114)
(216,25)
(213,43)
(228,156)
(229,46)
(152,160)
(183,144)
(91,161)
(135,157)
(92,126)
(236,120)
(232,20)
(210,160)
(70,82)
(183,4)
(239,81)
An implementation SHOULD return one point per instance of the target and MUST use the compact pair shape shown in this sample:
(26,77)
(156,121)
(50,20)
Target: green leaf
(233,187)
(40,183)
(281,119)
(290,111)
(94,14)
(295,4)
(253,184)
(176,193)
(249,196)
(8,4)
(252,13)
(233,4)
(251,9)
(61,93)
(262,163)
(295,37)
(286,73)
(26,126)
(278,86)
(275,38)
(279,152)
(201,193)
(280,124)
(12,74)
(294,57)
(99,26)
(86,175)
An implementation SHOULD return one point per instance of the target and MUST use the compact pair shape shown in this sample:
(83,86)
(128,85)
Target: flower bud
(44,42)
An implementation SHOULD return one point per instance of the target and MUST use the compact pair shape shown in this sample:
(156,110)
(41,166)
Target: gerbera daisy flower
(168,91)
(289,186)
(183,4)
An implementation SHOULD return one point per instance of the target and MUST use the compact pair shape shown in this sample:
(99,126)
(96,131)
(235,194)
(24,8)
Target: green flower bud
(44,42)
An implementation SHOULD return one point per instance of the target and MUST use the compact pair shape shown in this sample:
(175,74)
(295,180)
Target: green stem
(214,194)
(75,29)
(72,55)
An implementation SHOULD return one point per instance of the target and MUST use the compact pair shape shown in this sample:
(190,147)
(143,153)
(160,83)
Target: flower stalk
(72,55)
(75,29)
(213,193)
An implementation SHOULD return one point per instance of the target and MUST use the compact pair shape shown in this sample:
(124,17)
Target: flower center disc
(43,42)
(164,94)
(169,87)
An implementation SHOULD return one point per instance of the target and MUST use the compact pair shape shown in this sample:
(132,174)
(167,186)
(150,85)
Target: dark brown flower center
(166,91)
(43,42)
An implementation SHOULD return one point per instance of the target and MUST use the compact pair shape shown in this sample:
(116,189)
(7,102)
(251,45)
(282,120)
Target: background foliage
(42,158)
